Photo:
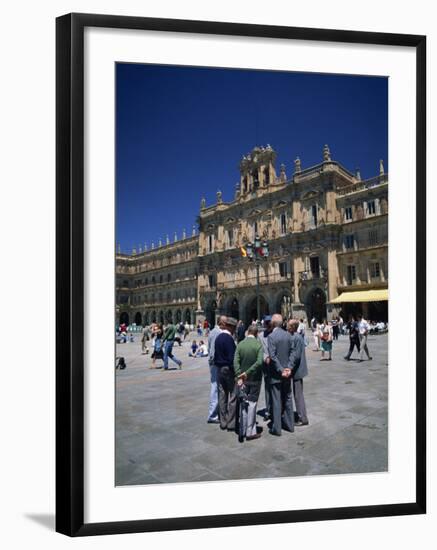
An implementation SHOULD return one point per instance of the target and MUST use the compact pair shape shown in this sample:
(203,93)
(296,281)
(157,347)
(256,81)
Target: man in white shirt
(203,350)
(364,331)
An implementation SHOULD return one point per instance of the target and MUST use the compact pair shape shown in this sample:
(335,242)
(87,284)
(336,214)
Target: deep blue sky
(181,132)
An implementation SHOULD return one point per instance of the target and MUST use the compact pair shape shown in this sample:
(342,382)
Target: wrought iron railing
(321,273)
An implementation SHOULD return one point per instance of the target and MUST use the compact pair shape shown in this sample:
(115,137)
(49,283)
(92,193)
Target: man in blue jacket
(224,352)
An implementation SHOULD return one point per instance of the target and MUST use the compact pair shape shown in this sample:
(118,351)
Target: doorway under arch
(251,309)
(234,309)
(124,318)
(178,316)
(315,304)
(138,318)
(210,313)
(187,316)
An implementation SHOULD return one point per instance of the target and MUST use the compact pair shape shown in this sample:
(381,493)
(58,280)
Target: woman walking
(158,350)
(326,340)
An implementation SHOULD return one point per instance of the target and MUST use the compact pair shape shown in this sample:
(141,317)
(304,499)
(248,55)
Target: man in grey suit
(300,370)
(280,353)
(213,407)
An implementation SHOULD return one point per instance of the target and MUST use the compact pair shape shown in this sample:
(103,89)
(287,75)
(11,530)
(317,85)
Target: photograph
(251,255)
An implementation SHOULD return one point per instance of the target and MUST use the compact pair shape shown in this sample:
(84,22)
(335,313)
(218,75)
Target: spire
(203,203)
(160,242)
(237,190)
(175,237)
(184,234)
(134,251)
(326,154)
(358,174)
(145,247)
(153,245)
(219,197)
(194,231)
(282,174)
(381,167)
(167,240)
(297,166)
(139,249)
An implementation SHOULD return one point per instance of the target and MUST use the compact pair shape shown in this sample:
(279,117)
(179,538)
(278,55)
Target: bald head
(293,325)
(277,320)
(252,330)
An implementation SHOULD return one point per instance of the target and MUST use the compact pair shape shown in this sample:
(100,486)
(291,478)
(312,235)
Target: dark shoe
(213,421)
(231,430)
(301,423)
(223,427)
(251,437)
(370,358)
(180,366)
(347,358)
(271,432)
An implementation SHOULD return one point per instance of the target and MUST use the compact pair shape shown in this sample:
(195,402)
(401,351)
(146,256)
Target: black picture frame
(70,273)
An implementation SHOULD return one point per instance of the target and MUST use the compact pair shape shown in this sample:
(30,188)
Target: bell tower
(257,170)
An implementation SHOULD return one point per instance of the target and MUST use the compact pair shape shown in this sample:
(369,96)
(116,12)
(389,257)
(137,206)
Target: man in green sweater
(168,339)
(248,363)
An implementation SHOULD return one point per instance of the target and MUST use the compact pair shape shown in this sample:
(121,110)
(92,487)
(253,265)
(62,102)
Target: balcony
(321,273)
(363,185)
(240,282)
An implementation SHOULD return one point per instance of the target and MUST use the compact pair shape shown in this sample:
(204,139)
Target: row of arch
(161,316)
(315,306)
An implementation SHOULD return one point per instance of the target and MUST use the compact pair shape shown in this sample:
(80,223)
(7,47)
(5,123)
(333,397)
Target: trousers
(299,400)
(227,398)
(213,408)
(282,410)
(363,345)
(248,409)
(352,344)
(168,352)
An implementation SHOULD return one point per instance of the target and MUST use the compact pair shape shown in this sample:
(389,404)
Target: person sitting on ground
(194,347)
(202,350)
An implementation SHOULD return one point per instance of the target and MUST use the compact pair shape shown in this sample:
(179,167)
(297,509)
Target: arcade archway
(210,313)
(124,318)
(138,319)
(251,309)
(315,304)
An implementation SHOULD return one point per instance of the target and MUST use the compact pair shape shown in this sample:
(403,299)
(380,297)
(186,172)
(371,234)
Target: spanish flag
(243,251)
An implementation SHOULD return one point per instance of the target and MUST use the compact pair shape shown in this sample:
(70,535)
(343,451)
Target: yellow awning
(362,296)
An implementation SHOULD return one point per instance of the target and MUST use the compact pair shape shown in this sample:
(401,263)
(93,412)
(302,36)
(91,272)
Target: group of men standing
(273,354)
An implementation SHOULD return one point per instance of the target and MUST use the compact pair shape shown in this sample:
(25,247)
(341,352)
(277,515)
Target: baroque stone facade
(327,232)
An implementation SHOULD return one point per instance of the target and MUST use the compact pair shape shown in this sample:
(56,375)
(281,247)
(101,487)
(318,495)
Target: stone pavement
(162,435)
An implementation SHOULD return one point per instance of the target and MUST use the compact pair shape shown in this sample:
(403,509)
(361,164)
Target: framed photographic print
(240,274)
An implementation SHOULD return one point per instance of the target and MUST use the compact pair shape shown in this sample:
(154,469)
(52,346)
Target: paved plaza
(162,435)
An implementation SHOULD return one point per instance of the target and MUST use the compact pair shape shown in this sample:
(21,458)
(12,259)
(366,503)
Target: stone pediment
(280,204)
(254,212)
(230,220)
